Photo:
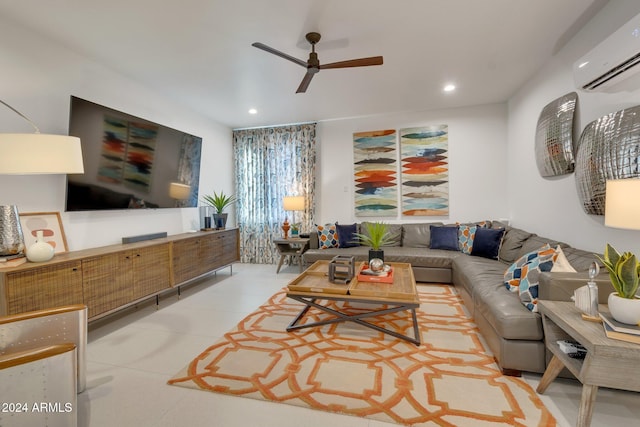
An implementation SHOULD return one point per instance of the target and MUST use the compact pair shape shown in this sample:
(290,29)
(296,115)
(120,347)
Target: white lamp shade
(622,204)
(179,191)
(36,153)
(293,203)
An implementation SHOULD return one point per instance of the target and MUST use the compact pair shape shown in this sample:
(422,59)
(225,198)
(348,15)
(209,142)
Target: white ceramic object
(40,251)
(624,310)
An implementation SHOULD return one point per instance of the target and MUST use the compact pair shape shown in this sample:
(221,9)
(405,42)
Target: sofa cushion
(512,242)
(486,242)
(417,257)
(327,236)
(444,238)
(417,235)
(347,235)
(476,273)
(535,242)
(420,257)
(506,314)
(579,259)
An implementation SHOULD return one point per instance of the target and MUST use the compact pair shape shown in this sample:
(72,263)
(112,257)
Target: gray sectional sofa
(513,333)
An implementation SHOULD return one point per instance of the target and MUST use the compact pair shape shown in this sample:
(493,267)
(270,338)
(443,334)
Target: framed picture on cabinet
(51,225)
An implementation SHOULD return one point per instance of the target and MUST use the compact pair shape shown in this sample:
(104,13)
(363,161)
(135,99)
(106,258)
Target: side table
(608,363)
(293,247)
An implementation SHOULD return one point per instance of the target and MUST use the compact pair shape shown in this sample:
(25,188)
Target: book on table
(621,336)
(616,326)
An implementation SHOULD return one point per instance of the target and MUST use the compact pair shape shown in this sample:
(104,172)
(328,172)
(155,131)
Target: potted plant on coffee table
(219,202)
(624,272)
(377,235)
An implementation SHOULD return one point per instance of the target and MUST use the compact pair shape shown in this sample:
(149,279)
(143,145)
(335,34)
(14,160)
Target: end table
(608,363)
(292,247)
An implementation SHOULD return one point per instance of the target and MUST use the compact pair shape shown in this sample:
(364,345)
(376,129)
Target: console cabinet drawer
(43,287)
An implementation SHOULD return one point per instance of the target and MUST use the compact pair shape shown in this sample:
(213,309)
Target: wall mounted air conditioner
(614,64)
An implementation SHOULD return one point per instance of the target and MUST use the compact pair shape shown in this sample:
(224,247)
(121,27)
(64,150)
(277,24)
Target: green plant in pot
(377,235)
(624,272)
(219,202)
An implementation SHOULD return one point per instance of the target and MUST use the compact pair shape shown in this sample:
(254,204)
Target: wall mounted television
(130,163)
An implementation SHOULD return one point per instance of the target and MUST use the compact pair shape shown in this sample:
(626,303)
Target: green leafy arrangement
(219,201)
(377,235)
(624,271)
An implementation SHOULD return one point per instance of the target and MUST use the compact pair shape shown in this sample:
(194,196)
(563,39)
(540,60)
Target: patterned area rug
(449,380)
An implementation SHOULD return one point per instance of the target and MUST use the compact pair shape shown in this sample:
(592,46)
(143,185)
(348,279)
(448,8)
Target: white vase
(40,251)
(624,310)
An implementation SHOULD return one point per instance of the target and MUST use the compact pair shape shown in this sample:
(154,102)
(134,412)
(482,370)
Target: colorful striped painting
(114,148)
(425,170)
(375,173)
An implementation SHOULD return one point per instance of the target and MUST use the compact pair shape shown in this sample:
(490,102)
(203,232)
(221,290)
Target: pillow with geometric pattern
(327,236)
(523,275)
(466,233)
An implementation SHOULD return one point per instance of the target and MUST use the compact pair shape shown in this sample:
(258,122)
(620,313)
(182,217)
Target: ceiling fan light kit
(313,65)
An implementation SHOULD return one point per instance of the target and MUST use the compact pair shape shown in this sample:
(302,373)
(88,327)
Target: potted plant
(624,271)
(377,235)
(219,202)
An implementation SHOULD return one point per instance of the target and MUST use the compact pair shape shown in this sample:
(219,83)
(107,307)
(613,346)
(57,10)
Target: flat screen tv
(130,163)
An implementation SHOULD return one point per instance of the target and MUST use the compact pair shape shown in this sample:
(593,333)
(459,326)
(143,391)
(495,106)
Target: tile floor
(131,356)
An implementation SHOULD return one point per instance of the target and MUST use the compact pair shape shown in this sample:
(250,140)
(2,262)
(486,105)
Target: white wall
(551,207)
(38,78)
(477,154)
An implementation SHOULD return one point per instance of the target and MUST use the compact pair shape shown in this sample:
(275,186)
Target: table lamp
(291,203)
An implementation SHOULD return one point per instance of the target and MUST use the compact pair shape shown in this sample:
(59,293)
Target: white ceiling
(199,53)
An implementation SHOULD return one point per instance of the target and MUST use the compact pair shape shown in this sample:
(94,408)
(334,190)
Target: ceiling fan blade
(361,62)
(280,54)
(305,82)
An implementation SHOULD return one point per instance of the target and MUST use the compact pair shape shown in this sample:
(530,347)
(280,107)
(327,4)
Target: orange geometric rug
(449,380)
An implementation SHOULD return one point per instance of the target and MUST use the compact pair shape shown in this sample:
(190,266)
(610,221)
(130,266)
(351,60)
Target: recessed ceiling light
(253,111)
(449,88)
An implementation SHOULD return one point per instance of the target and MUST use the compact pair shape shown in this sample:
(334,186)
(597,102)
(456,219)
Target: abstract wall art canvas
(425,170)
(375,173)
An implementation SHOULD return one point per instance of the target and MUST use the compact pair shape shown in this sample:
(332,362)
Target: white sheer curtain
(271,163)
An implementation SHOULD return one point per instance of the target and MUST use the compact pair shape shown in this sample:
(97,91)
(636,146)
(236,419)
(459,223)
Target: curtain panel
(271,163)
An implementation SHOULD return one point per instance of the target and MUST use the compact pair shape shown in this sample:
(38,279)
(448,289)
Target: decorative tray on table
(365,274)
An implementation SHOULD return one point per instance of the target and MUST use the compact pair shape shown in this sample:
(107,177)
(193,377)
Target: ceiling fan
(313,66)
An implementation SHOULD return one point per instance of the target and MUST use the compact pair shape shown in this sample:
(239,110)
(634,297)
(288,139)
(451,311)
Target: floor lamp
(622,204)
(28,154)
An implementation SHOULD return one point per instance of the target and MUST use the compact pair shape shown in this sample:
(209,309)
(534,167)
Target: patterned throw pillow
(466,233)
(327,236)
(523,275)
(561,263)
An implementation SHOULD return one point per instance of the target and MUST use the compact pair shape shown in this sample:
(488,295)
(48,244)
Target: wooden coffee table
(313,287)
(608,363)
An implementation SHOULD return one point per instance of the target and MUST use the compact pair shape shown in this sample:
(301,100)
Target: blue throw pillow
(486,242)
(444,238)
(346,235)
